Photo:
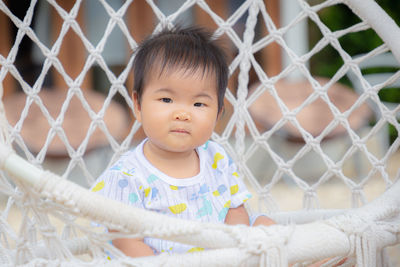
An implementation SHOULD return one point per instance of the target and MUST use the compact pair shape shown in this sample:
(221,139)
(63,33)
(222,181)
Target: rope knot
(362,237)
(264,194)
(340,117)
(290,116)
(267,242)
(314,143)
(299,62)
(51,56)
(387,114)
(285,167)
(310,199)
(358,196)
(379,164)
(69,20)
(310,192)
(47,231)
(277,35)
(257,247)
(370,92)
(334,169)
(24,26)
(7,64)
(97,119)
(358,143)
(117,17)
(225,26)
(57,126)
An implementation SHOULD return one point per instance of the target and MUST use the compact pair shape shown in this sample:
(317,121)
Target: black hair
(190,48)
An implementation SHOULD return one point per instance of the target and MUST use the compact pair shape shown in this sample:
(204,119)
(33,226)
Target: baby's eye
(166,100)
(198,104)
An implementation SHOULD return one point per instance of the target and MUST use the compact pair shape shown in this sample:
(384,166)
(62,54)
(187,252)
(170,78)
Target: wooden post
(203,19)
(271,55)
(5,47)
(140,24)
(221,8)
(140,20)
(72,53)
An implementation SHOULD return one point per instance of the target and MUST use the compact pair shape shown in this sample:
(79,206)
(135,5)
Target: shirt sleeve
(238,190)
(235,189)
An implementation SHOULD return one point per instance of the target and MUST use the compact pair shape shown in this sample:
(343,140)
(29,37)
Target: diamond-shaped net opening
(306,135)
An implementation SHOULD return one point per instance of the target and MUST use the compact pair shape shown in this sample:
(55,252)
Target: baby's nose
(182,116)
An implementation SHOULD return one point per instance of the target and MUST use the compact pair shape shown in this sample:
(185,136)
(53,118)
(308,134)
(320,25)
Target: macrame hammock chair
(57,214)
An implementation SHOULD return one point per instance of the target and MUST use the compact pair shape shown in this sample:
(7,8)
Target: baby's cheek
(203,136)
(206,127)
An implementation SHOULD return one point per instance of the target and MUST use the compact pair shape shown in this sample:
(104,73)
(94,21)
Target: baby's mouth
(180,130)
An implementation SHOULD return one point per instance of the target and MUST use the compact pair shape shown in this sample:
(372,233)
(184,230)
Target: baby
(180,81)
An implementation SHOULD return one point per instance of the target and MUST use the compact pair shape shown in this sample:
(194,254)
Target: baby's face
(178,110)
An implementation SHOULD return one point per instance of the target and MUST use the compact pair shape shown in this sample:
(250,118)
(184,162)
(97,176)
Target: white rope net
(290,157)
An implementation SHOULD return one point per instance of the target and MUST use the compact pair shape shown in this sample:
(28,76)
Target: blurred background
(66,78)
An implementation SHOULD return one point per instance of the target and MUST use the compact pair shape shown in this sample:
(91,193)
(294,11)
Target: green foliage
(328,61)
(339,17)
(390,95)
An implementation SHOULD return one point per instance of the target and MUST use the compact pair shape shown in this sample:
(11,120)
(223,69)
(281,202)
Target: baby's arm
(132,247)
(237,215)
(263,220)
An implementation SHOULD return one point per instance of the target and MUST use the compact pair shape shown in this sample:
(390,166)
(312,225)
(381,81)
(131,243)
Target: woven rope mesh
(301,141)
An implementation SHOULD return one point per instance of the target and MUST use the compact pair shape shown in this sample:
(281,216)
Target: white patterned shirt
(205,197)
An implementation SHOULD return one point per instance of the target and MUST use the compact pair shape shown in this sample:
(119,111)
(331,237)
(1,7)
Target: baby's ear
(136,105)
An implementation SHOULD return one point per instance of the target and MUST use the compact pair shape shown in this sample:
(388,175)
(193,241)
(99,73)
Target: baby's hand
(263,220)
